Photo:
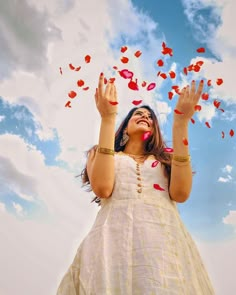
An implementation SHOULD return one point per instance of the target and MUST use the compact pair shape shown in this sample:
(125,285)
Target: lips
(144,122)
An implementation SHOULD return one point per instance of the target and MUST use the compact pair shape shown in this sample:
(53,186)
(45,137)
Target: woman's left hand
(187,101)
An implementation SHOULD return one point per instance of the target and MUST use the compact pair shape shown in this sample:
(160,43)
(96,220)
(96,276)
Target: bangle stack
(181,160)
(105,151)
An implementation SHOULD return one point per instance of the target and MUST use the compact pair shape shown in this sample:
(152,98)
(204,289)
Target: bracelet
(181,158)
(105,151)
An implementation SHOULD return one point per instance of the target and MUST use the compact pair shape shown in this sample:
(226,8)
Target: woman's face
(141,120)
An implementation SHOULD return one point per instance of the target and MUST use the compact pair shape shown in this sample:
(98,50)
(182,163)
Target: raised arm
(181,170)
(100,166)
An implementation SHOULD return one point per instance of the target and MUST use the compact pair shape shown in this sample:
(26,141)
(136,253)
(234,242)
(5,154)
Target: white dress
(138,244)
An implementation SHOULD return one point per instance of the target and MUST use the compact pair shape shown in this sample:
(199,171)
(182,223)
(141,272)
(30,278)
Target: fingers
(193,89)
(101,85)
(108,90)
(199,91)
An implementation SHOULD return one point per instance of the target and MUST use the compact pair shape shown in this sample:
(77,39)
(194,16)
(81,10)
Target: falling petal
(151,86)
(87,58)
(155,163)
(123,49)
(112,80)
(201,50)
(77,69)
(216,103)
(68,104)
(113,102)
(209,83)
(200,63)
(115,68)
(144,84)
(222,134)
(80,83)
(170,95)
(160,63)
(158,187)
(105,80)
(178,112)
(71,67)
(158,74)
(231,133)
(72,94)
(138,53)
(219,81)
(168,150)
(146,135)
(196,68)
(163,75)
(197,108)
(126,74)
(124,60)
(205,96)
(136,102)
(60,70)
(221,110)
(185,141)
(166,50)
(185,71)
(192,120)
(208,125)
(172,74)
(85,88)
(133,85)
(190,67)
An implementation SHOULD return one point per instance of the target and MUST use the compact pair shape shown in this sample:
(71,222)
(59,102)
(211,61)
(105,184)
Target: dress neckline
(120,153)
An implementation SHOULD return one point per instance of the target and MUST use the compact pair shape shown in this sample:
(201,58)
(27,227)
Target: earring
(124,139)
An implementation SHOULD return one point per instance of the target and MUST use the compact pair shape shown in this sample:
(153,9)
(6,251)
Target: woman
(138,244)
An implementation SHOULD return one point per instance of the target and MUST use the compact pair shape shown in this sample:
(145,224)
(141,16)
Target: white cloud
(163,110)
(2,118)
(223,179)
(227,169)
(230,219)
(18,208)
(2,207)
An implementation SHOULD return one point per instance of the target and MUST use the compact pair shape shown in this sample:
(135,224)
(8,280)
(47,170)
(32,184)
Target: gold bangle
(105,151)
(181,158)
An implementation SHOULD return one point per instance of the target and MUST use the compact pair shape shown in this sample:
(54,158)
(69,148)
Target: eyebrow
(137,111)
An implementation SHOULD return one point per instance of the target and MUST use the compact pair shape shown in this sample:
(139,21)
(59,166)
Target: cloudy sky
(44,212)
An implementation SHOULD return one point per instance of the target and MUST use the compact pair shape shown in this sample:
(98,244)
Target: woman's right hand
(102,98)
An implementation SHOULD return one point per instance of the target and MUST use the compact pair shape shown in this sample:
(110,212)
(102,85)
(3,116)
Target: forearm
(103,166)
(181,172)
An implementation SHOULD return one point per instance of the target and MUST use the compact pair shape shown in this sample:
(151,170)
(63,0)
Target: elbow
(102,192)
(179,197)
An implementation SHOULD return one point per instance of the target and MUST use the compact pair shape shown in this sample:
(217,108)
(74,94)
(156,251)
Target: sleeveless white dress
(138,244)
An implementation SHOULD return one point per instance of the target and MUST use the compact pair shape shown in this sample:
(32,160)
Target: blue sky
(42,143)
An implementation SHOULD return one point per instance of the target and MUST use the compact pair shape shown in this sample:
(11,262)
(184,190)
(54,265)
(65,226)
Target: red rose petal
(185,71)
(158,187)
(77,69)
(192,120)
(197,108)
(123,49)
(86,88)
(201,50)
(168,150)
(222,134)
(72,94)
(209,83)
(105,80)
(136,102)
(231,133)
(68,104)
(205,96)
(113,102)
(133,85)
(221,110)
(172,74)
(115,68)
(155,163)
(196,68)
(60,70)
(124,60)
(80,83)
(158,74)
(151,86)
(216,103)
(71,67)
(208,125)
(144,84)
(160,63)
(185,141)
(138,53)
(219,81)
(163,75)
(126,74)
(178,112)
(170,95)
(146,135)
(87,58)
(200,63)
(166,50)
(112,80)
(190,67)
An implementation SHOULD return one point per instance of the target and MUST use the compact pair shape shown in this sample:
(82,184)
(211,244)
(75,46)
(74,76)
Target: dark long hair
(154,145)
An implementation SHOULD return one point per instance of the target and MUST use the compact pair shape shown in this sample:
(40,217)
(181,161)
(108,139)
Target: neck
(134,148)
